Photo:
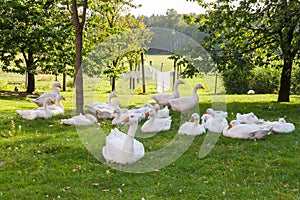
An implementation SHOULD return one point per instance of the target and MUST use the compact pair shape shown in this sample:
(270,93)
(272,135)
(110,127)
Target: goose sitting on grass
(59,108)
(280,126)
(40,113)
(245,131)
(103,105)
(80,120)
(192,127)
(123,148)
(154,124)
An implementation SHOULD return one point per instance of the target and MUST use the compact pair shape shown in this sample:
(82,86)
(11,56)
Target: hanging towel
(159,82)
(162,81)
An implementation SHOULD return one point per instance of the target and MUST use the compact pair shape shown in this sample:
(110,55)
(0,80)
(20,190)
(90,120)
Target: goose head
(151,113)
(60,97)
(178,81)
(281,120)
(56,85)
(131,119)
(233,123)
(209,111)
(199,86)
(194,117)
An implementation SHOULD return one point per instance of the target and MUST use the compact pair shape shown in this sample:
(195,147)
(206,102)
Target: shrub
(265,80)
(236,80)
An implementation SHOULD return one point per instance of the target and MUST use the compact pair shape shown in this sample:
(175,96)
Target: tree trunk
(113,84)
(64,81)
(285,81)
(30,75)
(78,75)
(30,83)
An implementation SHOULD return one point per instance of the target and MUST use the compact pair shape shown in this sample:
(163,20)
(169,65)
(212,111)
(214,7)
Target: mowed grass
(43,159)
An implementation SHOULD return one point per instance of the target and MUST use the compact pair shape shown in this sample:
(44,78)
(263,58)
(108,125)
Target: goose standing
(163,99)
(183,104)
(280,126)
(154,124)
(123,148)
(80,120)
(40,113)
(245,131)
(192,127)
(55,91)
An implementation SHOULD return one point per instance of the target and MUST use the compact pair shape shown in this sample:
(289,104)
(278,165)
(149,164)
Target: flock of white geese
(123,148)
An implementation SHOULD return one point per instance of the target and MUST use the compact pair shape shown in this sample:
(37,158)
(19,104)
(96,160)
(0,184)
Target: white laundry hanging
(163,81)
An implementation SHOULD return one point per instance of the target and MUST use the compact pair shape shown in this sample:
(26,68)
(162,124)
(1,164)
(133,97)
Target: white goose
(216,113)
(123,148)
(41,113)
(55,91)
(248,118)
(106,106)
(280,126)
(214,121)
(185,103)
(59,108)
(80,120)
(154,124)
(119,116)
(161,113)
(163,99)
(192,127)
(245,131)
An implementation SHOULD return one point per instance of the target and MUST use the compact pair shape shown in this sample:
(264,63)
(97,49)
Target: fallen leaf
(95,184)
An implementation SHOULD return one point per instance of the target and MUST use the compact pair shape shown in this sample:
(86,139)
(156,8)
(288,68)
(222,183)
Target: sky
(160,7)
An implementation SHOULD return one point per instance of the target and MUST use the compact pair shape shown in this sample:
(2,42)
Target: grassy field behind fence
(43,159)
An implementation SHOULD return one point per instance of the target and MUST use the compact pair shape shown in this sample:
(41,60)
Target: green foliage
(254,32)
(262,80)
(265,80)
(236,80)
(295,88)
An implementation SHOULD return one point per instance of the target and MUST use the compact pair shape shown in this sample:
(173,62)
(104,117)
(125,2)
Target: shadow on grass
(8,95)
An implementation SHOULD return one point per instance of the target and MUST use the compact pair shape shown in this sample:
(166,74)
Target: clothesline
(163,79)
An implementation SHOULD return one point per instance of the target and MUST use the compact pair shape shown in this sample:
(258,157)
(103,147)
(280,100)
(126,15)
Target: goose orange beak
(147,114)
(229,127)
(126,119)
(192,119)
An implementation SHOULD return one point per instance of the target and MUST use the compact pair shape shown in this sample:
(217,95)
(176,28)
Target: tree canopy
(244,34)
(30,32)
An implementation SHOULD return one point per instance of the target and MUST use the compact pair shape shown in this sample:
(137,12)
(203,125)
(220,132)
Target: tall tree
(27,32)
(78,23)
(254,33)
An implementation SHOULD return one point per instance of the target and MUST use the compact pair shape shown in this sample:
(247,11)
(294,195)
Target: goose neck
(132,130)
(176,93)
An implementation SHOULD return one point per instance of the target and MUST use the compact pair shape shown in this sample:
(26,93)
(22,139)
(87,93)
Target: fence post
(143,73)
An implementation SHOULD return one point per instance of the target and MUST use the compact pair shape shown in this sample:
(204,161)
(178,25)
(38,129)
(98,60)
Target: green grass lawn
(43,159)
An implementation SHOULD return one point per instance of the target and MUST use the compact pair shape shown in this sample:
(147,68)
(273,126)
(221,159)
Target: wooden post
(143,72)
(161,67)
(216,81)
(174,73)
